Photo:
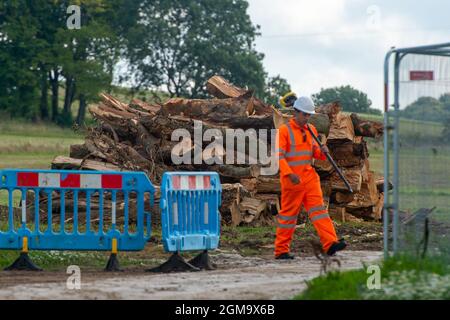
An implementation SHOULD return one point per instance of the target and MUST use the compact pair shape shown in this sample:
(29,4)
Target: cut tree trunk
(330,109)
(344,197)
(349,154)
(249,184)
(219,111)
(222,89)
(341,129)
(367,128)
(353,176)
(68,163)
(368,195)
(337,213)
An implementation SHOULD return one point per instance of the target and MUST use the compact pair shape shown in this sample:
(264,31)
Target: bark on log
(78,151)
(349,154)
(268,185)
(252,122)
(239,172)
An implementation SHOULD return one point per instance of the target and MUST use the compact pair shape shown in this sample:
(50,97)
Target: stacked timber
(139,136)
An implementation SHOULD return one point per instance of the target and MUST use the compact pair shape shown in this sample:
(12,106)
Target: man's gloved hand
(295,179)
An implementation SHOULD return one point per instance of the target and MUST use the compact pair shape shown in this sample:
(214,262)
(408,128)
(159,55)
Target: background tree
(276,87)
(19,46)
(178,44)
(352,100)
(426,109)
(445,101)
(38,52)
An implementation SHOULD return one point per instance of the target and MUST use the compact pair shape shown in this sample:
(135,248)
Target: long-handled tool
(330,159)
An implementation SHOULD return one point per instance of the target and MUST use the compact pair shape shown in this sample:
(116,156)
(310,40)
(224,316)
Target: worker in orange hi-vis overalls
(300,183)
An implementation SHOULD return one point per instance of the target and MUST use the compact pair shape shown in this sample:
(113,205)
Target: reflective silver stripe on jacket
(320,216)
(292,137)
(298,153)
(294,153)
(299,163)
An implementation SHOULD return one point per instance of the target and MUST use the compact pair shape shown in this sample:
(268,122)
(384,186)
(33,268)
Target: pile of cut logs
(140,136)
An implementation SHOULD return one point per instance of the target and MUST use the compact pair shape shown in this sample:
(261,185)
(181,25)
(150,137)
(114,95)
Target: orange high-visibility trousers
(292,199)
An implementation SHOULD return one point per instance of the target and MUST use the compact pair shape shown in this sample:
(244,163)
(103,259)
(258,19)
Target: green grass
(352,285)
(126,95)
(247,239)
(26,145)
(55,260)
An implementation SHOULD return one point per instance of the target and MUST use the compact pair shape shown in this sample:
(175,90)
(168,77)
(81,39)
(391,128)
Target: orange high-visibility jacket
(296,150)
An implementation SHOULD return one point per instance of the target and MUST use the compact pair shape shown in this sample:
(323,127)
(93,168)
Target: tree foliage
(276,87)
(39,53)
(178,44)
(352,100)
(170,45)
(429,109)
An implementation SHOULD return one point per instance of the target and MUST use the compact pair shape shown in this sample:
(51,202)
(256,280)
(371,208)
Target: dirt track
(237,277)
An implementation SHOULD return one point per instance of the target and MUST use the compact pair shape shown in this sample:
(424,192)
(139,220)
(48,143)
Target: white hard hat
(304,104)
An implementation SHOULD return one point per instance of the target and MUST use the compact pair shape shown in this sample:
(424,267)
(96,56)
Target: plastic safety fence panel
(190,204)
(60,214)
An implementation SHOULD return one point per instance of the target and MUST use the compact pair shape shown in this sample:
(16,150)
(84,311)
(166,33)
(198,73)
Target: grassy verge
(402,277)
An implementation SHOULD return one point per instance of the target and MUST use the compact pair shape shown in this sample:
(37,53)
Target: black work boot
(284,256)
(337,246)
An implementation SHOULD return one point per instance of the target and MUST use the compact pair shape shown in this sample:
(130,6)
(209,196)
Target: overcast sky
(324,43)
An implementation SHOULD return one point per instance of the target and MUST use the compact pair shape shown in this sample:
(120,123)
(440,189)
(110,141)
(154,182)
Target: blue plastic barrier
(190,210)
(45,182)
(190,217)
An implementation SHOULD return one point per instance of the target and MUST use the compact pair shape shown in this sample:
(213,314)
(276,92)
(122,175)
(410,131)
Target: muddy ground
(236,277)
(246,269)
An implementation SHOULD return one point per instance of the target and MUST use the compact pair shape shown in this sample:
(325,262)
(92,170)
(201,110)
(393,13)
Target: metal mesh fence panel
(419,161)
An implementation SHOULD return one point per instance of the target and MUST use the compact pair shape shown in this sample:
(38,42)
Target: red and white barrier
(70,180)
